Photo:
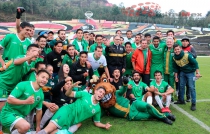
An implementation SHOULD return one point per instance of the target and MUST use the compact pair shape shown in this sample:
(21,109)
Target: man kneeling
(163,92)
(138,90)
(25,97)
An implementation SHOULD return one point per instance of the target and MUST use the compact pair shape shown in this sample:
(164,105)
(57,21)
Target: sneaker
(171,117)
(163,110)
(193,107)
(167,109)
(167,121)
(188,100)
(179,102)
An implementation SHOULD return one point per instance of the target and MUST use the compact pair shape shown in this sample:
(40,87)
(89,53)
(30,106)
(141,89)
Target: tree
(115,12)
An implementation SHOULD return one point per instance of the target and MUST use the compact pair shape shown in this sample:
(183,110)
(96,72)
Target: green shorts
(9,119)
(154,68)
(63,118)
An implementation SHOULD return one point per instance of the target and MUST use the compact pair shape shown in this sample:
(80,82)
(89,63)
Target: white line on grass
(203,100)
(203,125)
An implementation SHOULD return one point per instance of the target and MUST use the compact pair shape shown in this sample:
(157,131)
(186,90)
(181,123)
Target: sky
(192,6)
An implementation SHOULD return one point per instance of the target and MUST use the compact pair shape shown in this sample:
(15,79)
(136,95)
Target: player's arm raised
(71,93)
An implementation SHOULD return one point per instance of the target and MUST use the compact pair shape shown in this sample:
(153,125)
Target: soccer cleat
(179,102)
(193,107)
(1,132)
(171,117)
(167,121)
(188,100)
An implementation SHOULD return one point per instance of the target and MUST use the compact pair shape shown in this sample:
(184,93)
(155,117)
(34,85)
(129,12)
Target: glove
(125,80)
(20,10)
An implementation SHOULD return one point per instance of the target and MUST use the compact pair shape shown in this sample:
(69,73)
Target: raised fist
(20,10)
(125,80)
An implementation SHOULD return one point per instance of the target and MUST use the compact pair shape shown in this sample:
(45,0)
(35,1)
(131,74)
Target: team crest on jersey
(38,98)
(160,49)
(140,88)
(172,54)
(93,111)
(24,47)
(121,49)
(62,56)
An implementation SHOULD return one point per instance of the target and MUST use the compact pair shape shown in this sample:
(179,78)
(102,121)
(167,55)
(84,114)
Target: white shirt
(131,40)
(96,63)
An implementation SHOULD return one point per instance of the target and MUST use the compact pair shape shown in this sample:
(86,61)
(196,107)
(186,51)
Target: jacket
(116,55)
(76,72)
(138,59)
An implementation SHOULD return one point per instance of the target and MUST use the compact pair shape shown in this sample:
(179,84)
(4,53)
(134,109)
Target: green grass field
(182,125)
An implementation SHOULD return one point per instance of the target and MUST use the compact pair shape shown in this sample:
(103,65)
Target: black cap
(186,38)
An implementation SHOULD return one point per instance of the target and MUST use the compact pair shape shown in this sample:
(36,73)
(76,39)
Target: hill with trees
(41,10)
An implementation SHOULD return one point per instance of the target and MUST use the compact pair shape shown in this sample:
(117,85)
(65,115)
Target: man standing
(99,40)
(170,33)
(187,65)
(128,37)
(141,61)
(23,99)
(16,44)
(137,43)
(157,51)
(61,37)
(160,35)
(116,56)
(79,42)
(97,60)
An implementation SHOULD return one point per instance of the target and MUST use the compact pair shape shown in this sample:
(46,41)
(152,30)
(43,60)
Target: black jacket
(116,55)
(54,59)
(58,96)
(76,72)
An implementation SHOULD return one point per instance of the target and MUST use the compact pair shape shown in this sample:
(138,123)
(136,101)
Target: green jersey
(157,53)
(69,60)
(138,89)
(37,60)
(134,46)
(10,78)
(129,67)
(53,42)
(93,47)
(13,46)
(82,109)
(162,87)
(80,45)
(168,61)
(22,91)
